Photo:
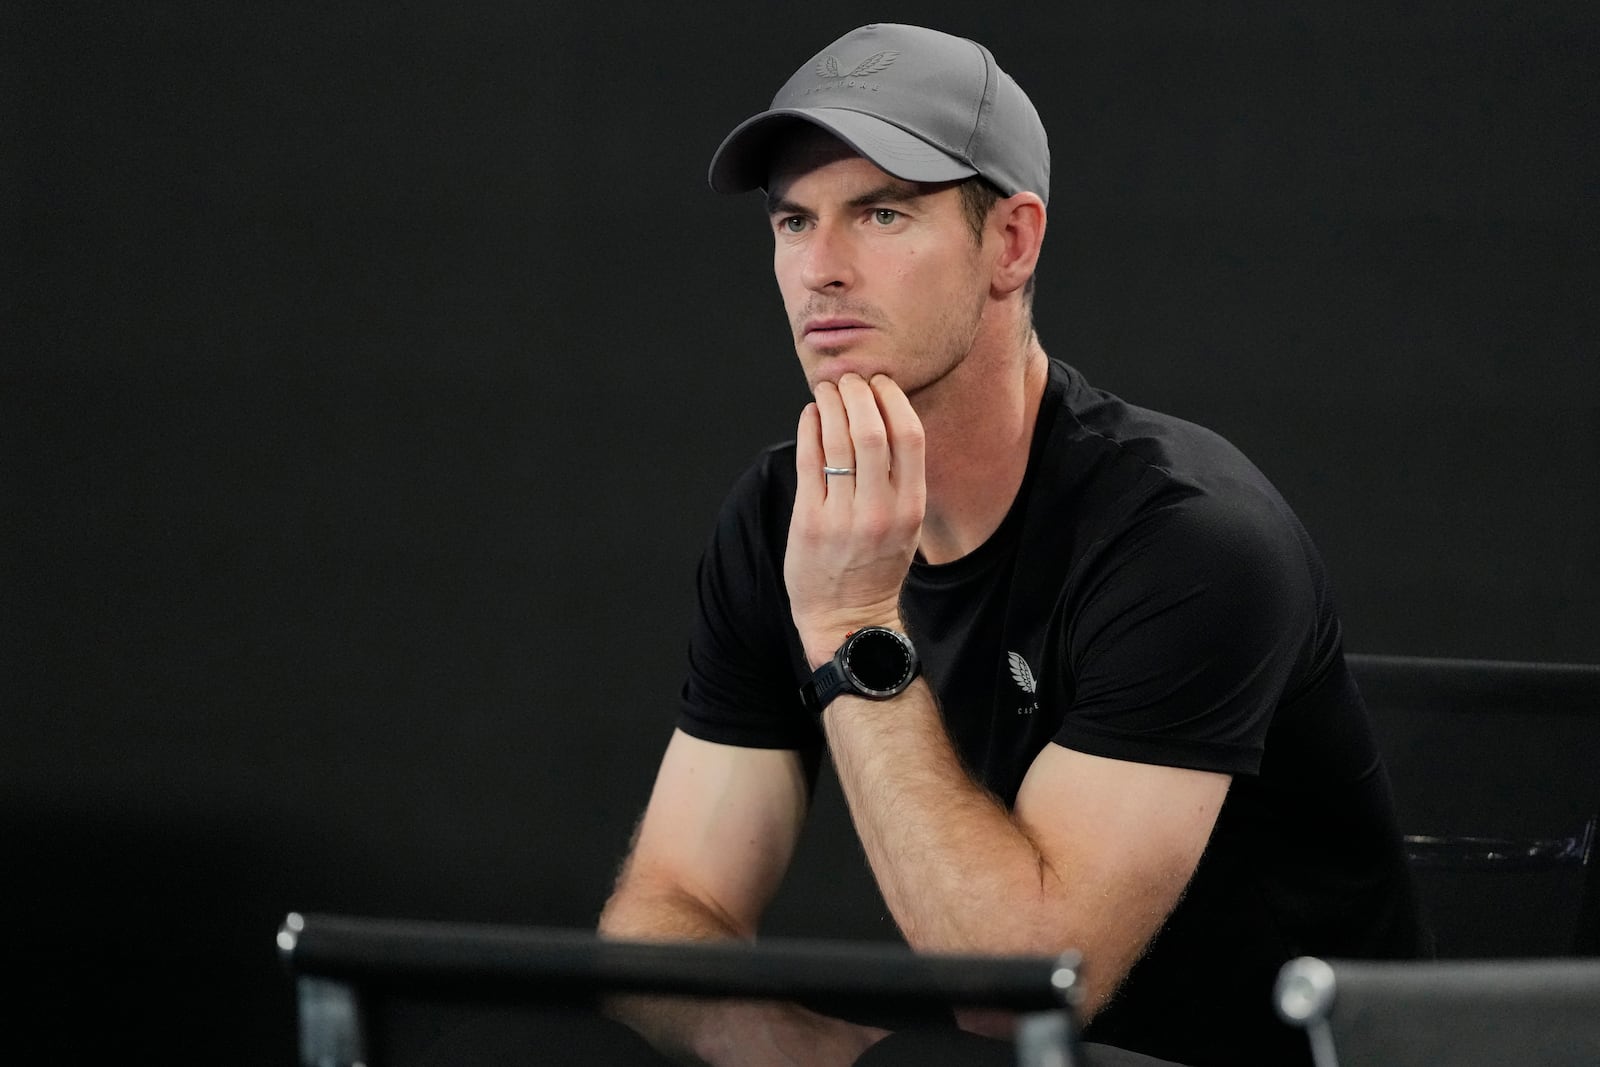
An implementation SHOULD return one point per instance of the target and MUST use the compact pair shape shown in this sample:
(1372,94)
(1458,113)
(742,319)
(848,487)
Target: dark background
(370,375)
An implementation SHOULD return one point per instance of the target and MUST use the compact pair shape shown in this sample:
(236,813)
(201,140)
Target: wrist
(822,641)
(876,662)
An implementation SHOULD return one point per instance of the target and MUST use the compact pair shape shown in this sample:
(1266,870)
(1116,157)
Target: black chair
(1437,1013)
(1496,774)
(343,964)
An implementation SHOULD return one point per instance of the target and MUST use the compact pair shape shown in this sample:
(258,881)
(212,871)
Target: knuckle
(876,523)
(871,437)
(804,526)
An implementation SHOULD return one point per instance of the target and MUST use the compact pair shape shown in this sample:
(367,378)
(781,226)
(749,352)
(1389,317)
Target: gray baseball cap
(922,105)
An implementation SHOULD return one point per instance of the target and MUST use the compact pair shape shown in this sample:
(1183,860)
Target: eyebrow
(890,192)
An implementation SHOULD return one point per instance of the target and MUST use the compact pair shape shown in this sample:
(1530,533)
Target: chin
(831,375)
(832,368)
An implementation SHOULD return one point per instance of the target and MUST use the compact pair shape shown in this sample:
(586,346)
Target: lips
(833,331)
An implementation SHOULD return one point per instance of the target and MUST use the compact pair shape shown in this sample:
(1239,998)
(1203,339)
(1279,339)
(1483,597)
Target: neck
(979,424)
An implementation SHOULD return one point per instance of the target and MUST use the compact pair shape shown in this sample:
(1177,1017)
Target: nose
(828,261)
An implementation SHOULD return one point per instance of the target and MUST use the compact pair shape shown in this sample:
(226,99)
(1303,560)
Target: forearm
(957,872)
(640,911)
(740,1033)
(961,873)
(709,853)
(717,1032)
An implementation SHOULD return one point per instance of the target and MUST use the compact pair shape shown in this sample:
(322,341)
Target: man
(1076,663)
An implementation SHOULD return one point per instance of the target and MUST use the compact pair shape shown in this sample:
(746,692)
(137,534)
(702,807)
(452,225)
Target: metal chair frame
(1476,691)
(334,958)
(1422,1013)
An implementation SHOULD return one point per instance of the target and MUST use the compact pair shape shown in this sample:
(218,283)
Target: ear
(1019,221)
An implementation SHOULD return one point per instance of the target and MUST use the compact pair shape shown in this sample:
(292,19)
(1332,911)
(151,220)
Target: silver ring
(828,472)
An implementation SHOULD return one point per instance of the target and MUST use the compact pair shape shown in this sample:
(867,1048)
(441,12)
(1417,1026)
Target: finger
(837,449)
(869,438)
(907,442)
(809,483)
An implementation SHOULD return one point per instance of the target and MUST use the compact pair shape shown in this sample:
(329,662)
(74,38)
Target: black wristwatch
(874,662)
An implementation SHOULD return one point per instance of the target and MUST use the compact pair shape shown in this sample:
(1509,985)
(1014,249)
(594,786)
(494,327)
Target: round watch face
(879,661)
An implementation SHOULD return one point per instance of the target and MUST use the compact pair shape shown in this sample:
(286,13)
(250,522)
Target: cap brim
(744,159)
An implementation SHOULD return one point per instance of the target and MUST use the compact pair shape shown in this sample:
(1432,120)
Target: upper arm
(721,826)
(1180,650)
(1117,841)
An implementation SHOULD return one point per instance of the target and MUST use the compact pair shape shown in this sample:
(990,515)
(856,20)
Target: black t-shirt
(1148,597)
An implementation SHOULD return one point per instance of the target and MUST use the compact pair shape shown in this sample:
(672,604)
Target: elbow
(644,908)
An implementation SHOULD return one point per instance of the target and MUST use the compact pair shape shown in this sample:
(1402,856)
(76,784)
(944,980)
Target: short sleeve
(1190,629)
(742,686)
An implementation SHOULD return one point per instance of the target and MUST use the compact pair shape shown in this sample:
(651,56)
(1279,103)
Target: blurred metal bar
(332,1031)
(1498,686)
(1503,853)
(334,955)
(576,963)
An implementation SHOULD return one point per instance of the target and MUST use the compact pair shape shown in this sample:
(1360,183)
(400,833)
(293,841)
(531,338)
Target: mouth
(833,332)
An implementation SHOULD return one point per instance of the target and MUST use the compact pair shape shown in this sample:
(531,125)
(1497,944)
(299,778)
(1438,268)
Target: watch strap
(825,683)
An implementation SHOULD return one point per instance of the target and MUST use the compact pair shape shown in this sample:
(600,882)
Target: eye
(792,224)
(885,216)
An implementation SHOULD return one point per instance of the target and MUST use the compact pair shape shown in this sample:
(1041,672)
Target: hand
(852,538)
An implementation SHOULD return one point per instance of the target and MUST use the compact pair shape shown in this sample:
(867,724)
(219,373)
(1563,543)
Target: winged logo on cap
(828,67)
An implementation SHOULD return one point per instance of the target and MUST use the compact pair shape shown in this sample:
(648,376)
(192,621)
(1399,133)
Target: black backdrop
(370,374)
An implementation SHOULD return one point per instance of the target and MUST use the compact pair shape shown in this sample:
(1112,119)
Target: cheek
(939,273)
(911,271)
(789,286)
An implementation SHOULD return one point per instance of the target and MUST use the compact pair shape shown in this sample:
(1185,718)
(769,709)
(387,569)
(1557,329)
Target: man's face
(878,275)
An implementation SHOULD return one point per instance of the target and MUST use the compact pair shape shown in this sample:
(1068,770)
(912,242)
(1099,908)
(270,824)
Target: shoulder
(770,470)
(758,505)
(1122,474)
(1162,511)
(1139,442)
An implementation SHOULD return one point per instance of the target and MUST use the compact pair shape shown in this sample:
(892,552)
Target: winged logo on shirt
(1022,674)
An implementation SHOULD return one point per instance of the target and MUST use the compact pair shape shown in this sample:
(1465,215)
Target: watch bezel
(858,685)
